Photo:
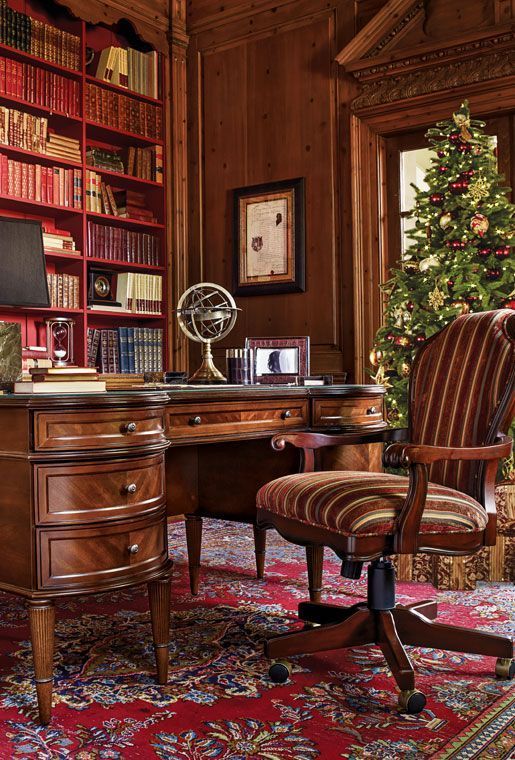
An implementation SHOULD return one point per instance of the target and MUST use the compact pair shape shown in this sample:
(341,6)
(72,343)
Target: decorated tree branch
(461,259)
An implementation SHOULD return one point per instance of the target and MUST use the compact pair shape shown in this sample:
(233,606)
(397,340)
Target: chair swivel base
(382,622)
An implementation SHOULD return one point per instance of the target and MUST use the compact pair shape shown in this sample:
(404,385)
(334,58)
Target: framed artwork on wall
(269,238)
(279,360)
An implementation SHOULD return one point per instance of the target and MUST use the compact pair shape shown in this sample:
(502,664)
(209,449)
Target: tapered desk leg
(194,542)
(42,626)
(315,561)
(159,602)
(260,550)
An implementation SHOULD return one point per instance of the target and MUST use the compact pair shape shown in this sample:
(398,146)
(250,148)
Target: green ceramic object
(10,352)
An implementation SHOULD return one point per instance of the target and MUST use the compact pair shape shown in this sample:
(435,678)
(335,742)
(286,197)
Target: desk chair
(461,399)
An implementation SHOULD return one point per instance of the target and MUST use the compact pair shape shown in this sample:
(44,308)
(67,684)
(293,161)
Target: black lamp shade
(23,279)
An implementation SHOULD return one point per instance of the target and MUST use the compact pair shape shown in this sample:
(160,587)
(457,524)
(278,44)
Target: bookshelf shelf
(39,157)
(122,90)
(38,109)
(119,220)
(127,265)
(102,132)
(57,85)
(21,55)
(26,205)
(124,179)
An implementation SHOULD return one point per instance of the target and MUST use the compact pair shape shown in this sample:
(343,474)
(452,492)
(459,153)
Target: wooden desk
(88,483)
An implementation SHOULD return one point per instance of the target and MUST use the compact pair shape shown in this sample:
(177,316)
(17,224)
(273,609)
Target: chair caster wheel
(280,671)
(505,668)
(412,702)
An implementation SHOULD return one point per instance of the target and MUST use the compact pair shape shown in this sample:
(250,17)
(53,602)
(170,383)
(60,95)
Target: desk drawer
(92,492)
(97,429)
(231,419)
(354,412)
(95,557)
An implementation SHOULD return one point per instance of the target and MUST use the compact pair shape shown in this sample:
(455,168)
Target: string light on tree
(461,259)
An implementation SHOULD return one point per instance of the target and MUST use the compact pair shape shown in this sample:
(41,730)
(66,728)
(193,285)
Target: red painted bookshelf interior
(76,222)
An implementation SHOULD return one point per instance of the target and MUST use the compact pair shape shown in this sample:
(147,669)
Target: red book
(2,76)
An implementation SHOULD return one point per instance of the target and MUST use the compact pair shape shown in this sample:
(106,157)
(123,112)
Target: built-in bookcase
(80,106)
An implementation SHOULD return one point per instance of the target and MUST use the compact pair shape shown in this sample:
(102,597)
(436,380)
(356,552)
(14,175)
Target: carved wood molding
(486,67)
(395,18)
(150,25)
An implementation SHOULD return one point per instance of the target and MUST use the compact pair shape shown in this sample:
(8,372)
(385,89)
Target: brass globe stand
(207,373)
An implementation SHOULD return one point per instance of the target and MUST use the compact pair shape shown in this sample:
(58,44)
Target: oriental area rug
(219,702)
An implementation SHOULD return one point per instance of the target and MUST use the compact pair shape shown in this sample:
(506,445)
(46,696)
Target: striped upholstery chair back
(462,392)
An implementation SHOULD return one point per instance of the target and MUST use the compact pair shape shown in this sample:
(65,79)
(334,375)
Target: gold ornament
(436,298)
(405,369)
(410,266)
(375,357)
(479,224)
(462,306)
(381,378)
(445,220)
(462,121)
(479,189)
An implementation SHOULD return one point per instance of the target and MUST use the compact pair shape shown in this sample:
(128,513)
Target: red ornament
(436,199)
(440,153)
(494,273)
(479,224)
(419,339)
(483,253)
(464,147)
(454,138)
(410,306)
(457,187)
(467,174)
(442,169)
(509,304)
(456,245)
(502,252)
(450,284)
(401,340)
(390,337)
(471,299)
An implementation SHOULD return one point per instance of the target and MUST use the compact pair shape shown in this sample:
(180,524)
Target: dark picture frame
(279,360)
(269,238)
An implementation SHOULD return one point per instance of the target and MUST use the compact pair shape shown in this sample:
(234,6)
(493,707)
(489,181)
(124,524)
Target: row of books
(118,111)
(46,184)
(130,68)
(57,240)
(125,350)
(140,293)
(100,158)
(146,163)
(20,31)
(24,130)
(39,87)
(117,244)
(64,291)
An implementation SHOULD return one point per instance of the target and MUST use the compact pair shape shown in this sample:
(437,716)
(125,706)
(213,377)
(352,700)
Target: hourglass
(59,331)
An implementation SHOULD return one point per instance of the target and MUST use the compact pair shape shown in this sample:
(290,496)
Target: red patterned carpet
(219,702)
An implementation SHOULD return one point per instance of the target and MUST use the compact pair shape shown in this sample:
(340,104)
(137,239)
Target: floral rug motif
(219,702)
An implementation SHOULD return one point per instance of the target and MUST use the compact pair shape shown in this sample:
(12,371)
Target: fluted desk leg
(159,602)
(42,625)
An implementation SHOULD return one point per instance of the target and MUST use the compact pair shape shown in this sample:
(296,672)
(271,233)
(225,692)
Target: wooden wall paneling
(249,83)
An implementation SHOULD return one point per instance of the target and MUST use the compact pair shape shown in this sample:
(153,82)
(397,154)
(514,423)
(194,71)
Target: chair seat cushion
(366,504)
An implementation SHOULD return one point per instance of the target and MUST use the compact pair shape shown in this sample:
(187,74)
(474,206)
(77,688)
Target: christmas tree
(460,260)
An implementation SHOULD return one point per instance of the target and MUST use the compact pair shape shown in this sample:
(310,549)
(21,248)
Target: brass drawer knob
(372,410)
(195,420)
(133,549)
(129,427)
(286,415)
(131,488)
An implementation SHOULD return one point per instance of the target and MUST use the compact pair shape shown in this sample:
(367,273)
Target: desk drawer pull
(332,417)
(129,427)
(286,414)
(131,488)
(133,549)
(372,410)
(195,420)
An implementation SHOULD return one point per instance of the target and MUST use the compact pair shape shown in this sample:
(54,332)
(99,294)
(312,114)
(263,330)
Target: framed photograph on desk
(269,245)
(279,360)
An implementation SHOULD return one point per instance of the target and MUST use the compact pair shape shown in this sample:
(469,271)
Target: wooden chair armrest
(315,441)
(404,454)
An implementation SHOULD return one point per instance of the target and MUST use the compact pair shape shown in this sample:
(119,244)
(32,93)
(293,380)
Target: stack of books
(105,159)
(131,69)
(56,240)
(61,380)
(60,146)
(132,205)
(33,357)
